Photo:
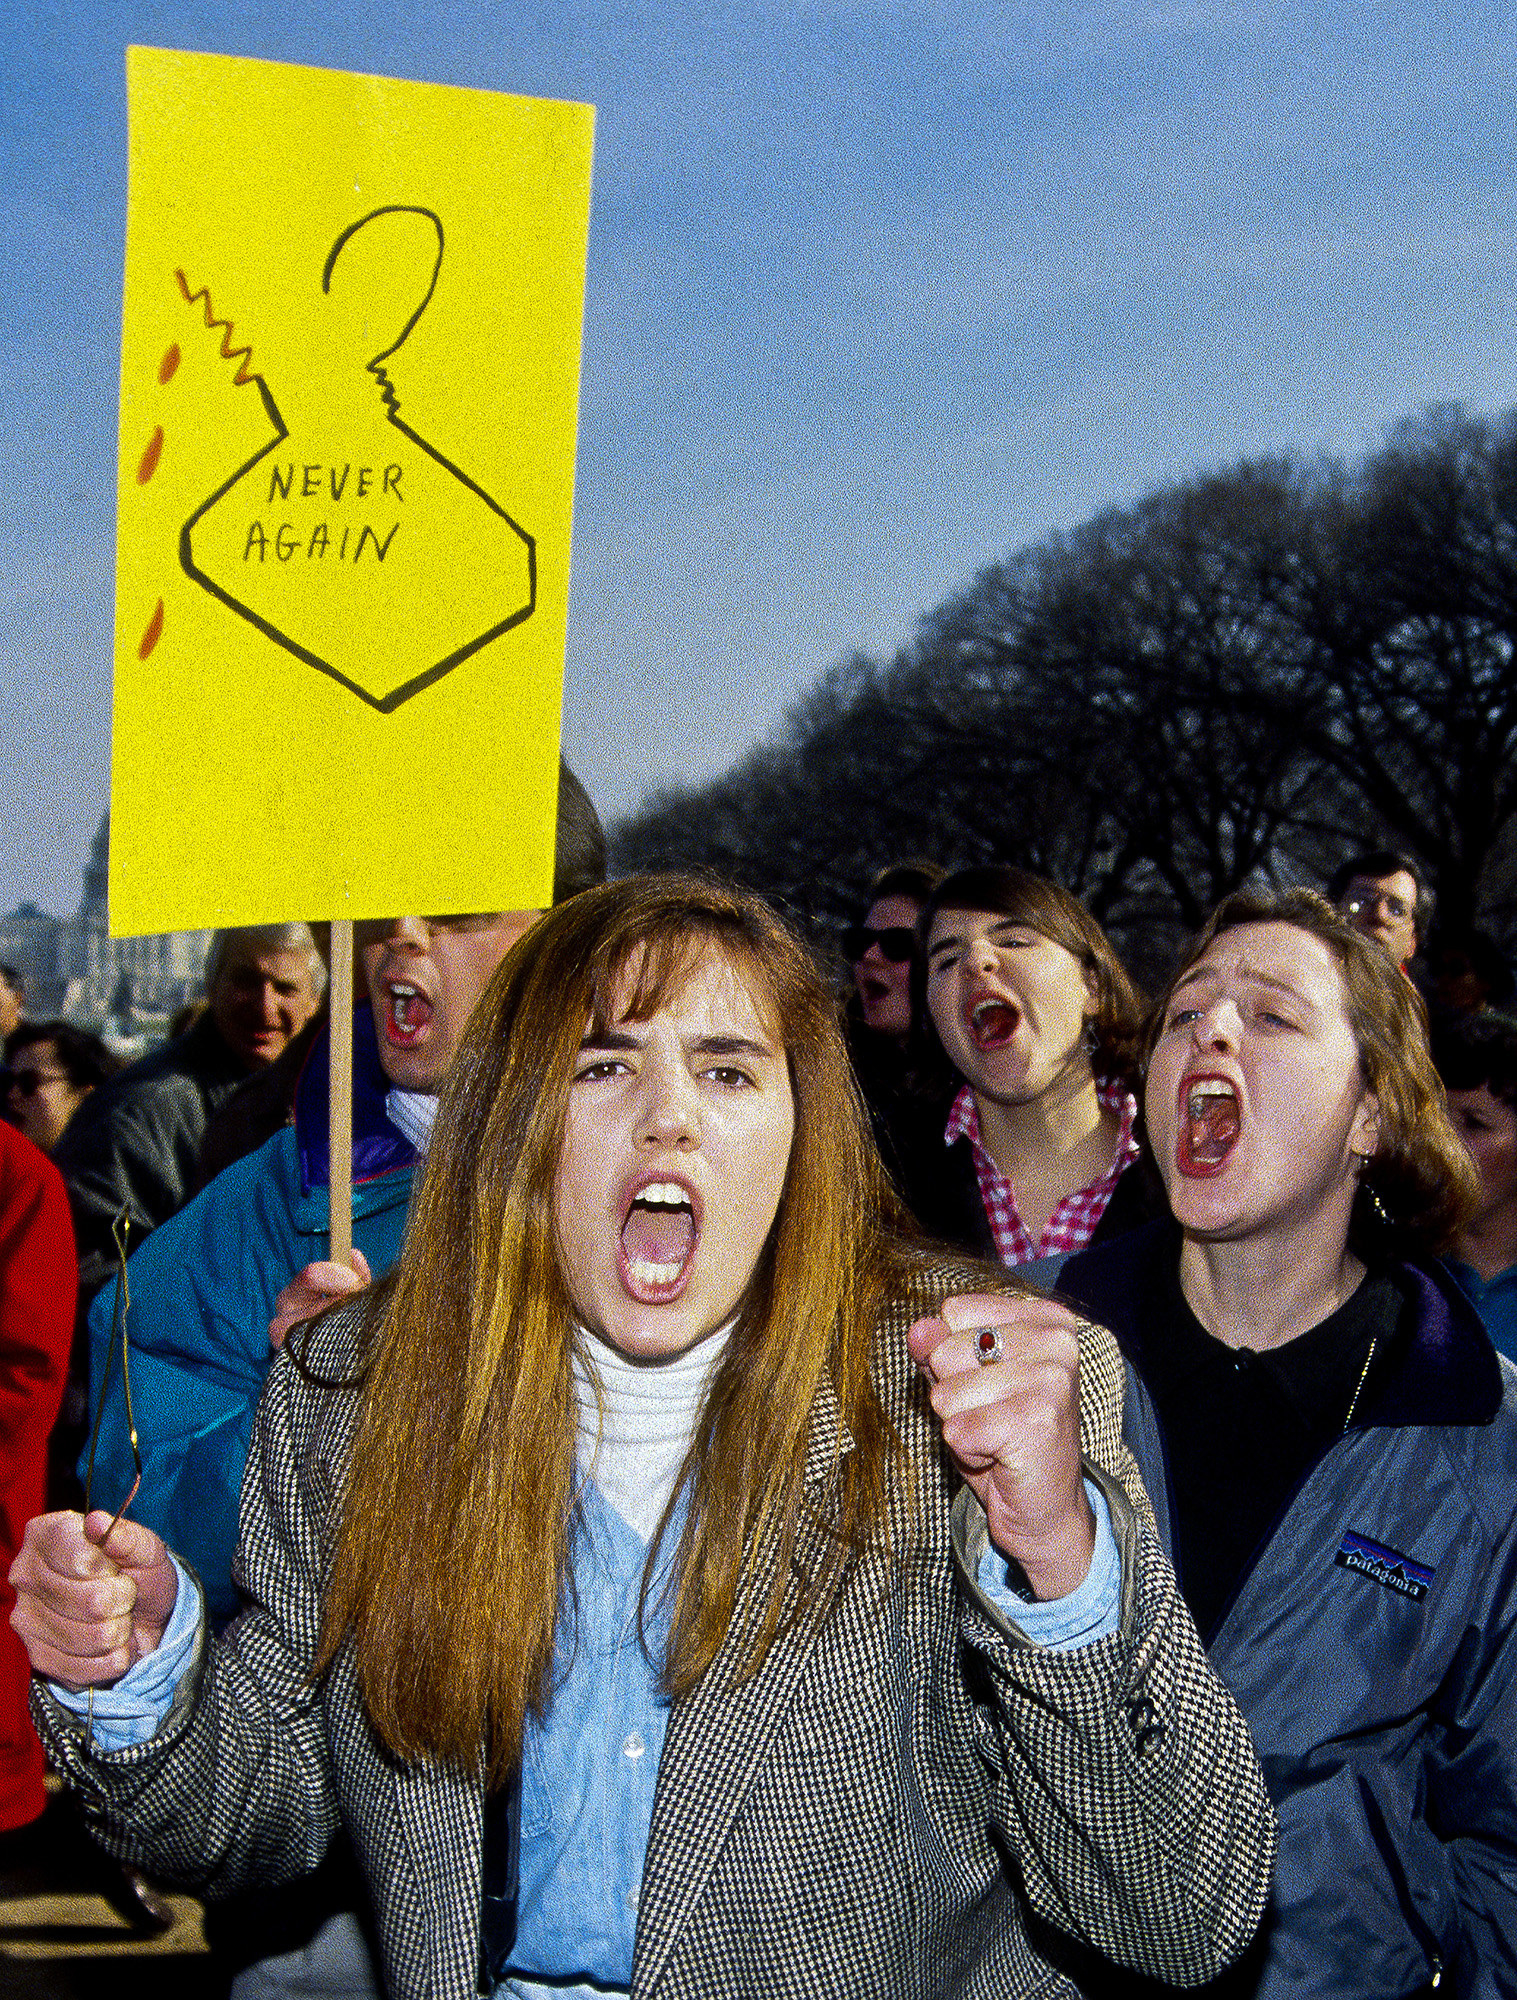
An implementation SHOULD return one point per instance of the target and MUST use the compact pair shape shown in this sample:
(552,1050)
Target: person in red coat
(39,1276)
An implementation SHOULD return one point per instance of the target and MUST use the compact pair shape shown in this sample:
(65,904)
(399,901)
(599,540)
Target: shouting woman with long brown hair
(606,1574)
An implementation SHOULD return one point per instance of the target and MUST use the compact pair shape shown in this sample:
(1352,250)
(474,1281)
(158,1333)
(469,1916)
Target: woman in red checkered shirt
(1033,1010)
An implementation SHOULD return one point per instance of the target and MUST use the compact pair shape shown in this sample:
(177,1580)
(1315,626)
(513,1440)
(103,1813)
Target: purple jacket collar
(377,1147)
(1448,1371)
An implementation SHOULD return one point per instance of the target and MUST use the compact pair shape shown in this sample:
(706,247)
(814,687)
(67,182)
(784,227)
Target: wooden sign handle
(340,1095)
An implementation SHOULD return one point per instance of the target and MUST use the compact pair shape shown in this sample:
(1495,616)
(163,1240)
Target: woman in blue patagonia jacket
(1331,1443)
(673,1582)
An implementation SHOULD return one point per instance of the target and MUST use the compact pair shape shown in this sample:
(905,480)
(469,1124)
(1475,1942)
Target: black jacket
(943,1192)
(136,1141)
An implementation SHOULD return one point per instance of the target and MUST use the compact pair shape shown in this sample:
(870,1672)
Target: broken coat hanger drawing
(347,539)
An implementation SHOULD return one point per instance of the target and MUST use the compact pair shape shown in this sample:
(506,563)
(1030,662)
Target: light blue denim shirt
(1087,1614)
(589,1770)
(133,1709)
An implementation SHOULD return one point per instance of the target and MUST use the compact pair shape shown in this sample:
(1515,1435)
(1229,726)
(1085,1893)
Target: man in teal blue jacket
(203,1290)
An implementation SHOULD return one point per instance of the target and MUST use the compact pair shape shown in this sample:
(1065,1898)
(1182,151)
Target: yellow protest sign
(349,383)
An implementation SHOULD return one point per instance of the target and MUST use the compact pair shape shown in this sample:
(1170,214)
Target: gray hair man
(135,1143)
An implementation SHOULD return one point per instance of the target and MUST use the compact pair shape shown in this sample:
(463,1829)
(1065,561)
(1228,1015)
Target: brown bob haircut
(451,1570)
(1048,907)
(1427,1187)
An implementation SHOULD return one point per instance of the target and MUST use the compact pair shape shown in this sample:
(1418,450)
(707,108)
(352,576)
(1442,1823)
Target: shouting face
(676,1145)
(883,975)
(1010,1006)
(1256,1102)
(424,976)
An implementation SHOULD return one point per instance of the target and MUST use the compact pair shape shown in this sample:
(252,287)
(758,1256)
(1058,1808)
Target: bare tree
(1414,692)
(1239,677)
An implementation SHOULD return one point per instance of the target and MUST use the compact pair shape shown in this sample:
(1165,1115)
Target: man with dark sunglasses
(51,1067)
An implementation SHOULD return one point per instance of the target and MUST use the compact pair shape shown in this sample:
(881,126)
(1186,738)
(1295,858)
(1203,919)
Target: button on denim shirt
(589,1769)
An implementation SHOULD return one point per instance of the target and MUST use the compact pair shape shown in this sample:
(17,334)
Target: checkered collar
(1074,1220)
(964,1123)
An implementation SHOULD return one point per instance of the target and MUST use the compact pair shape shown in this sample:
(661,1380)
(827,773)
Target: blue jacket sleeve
(1472,1775)
(202,1292)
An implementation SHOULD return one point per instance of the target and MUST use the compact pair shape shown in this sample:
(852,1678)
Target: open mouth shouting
(991,1022)
(659,1233)
(1210,1120)
(407,1013)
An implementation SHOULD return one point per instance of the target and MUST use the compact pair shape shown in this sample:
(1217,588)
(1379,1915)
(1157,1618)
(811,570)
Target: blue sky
(876,294)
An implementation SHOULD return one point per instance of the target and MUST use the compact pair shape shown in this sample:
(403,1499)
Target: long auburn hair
(1426,1185)
(451,1569)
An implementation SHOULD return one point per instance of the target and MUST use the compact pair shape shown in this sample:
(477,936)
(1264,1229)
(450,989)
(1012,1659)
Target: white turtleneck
(650,1413)
(411,1112)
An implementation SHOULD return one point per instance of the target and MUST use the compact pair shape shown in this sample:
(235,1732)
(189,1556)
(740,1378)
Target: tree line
(1244,676)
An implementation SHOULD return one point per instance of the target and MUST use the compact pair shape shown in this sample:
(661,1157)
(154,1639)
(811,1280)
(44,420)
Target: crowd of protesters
(1299,1216)
(992,1485)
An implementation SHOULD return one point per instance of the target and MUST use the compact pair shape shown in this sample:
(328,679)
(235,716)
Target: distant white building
(74,968)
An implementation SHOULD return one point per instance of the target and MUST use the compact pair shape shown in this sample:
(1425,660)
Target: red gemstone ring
(987,1345)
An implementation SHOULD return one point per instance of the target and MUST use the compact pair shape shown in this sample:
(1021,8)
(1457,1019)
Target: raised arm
(1126,1781)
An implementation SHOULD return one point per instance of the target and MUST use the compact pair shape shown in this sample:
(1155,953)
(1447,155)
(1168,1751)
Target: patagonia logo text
(1396,1572)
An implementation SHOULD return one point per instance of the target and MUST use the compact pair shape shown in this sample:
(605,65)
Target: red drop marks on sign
(149,464)
(153,633)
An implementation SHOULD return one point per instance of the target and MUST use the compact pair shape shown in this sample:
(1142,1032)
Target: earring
(1378,1208)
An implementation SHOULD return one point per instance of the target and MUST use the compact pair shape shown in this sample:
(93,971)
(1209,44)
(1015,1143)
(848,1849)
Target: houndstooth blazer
(908,1799)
